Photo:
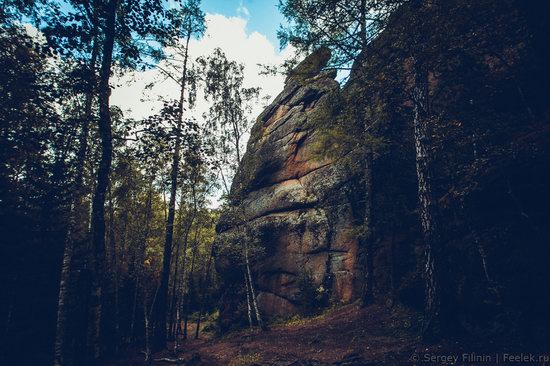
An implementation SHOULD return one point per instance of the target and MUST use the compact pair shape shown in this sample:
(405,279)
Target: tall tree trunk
(134,310)
(391,261)
(175,305)
(165,206)
(147,331)
(191,283)
(434,317)
(252,292)
(178,292)
(76,201)
(147,314)
(98,203)
(160,311)
(236,137)
(174,297)
(114,264)
(180,309)
(177,326)
(248,306)
(203,288)
(177,285)
(367,296)
(141,254)
(226,187)
(190,288)
(363,23)
(184,261)
(393,219)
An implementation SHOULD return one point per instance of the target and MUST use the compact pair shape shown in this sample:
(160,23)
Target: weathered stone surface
(489,158)
(288,192)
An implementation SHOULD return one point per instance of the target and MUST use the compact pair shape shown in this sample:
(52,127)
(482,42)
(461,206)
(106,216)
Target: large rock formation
(489,150)
(294,197)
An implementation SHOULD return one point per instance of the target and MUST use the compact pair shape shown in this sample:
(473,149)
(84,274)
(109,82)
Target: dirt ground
(345,336)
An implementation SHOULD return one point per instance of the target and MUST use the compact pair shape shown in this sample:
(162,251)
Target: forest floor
(345,336)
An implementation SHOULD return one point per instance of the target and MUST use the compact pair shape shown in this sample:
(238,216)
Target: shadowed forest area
(389,206)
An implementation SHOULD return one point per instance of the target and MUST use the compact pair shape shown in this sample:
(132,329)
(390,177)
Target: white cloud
(227,33)
(242,10)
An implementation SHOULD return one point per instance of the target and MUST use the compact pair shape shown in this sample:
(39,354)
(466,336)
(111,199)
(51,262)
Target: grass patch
(246,360)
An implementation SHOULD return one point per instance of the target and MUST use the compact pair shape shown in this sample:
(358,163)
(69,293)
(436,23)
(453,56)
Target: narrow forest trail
(347,335)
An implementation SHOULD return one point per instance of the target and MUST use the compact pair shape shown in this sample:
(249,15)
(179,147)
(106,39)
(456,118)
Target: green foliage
(187,20)
(347,129)
(37,142)
(346,27)
(230,105)
(211,323)
(332,141)
(310,296)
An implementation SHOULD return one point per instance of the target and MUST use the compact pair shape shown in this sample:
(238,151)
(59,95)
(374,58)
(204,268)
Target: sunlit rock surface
(294,198)
(489,149)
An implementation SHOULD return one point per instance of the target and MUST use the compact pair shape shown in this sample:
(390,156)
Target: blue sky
(263,15)
(245,30)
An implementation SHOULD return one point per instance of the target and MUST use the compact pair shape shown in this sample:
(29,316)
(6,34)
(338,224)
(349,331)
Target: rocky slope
(490,146)
(294,199)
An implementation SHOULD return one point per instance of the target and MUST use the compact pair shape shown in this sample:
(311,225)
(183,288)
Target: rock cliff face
(294,198)
(489,146)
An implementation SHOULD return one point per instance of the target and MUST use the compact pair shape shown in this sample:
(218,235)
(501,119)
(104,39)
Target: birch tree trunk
(249,308)
(252,293)
(428,206)
(179,305)
(147,331)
